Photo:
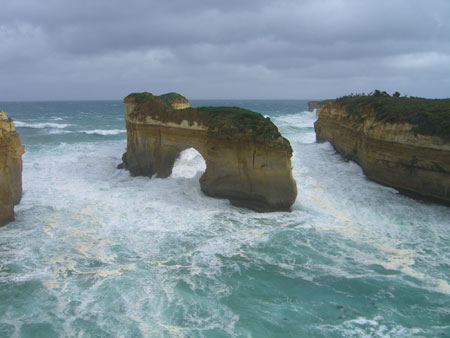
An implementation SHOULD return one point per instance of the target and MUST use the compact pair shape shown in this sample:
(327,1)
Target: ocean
(96,253)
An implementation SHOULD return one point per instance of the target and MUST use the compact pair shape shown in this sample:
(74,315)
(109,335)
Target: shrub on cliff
(241,119)
(227,120)
(429,116)
(167,99)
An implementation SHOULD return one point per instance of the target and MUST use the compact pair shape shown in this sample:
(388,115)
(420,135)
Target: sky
(228,49)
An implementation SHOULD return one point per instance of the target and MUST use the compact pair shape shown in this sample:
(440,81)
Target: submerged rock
(247,159)
(11,151)
(124,164)
(393,141)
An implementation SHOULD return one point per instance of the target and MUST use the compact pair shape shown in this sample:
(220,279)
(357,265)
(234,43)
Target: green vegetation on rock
(223,120)
(170,98)
(167,99)
(140,97)
(429,116)
(241,119)
(324,102)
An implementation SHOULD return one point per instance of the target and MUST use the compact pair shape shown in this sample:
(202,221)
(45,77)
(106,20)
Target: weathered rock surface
(249,164)
(314,105)
(11,151)
(389,153)
(318,105)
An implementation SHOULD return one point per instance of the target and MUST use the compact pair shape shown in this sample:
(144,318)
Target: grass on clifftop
(140,97)
(429,116)
(170,98)
(167,99)
(324,102)
(242,119)
(228,119)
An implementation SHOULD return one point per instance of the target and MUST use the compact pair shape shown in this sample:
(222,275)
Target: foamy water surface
(95,252)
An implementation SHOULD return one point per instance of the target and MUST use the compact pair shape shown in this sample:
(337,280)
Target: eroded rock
(11,151)
(393,154)
(247,159)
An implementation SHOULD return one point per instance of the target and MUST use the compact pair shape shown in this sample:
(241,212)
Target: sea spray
(96,252)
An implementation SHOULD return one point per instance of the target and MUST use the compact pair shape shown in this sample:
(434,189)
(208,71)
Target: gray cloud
(57,49)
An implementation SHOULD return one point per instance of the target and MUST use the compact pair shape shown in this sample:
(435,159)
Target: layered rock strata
(393,154)
(11,151)
(247,160)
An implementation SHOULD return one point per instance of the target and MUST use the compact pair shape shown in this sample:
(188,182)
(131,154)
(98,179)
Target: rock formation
(11,152)
(317,104)
(314,105)
(247,160)
(392,153)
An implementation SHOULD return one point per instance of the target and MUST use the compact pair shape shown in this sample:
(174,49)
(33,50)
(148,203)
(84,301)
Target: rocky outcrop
(393,154)
(247,160)
(317,105)
(11,152)
(314,105)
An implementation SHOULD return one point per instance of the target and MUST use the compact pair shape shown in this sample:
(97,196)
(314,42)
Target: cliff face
(11,152)
(314,105)
(249,164)
(390,153)
(317,105)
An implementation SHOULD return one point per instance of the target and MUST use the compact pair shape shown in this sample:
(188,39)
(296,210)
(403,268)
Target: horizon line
(121,100)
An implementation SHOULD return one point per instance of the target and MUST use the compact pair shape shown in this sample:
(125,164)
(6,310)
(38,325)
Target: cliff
(399,142)
(11,152)
(317,104)
(247,159)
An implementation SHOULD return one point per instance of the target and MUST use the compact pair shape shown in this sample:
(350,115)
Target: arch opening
(188,164)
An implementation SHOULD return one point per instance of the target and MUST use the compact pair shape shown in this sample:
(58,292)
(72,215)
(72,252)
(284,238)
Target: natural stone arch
(189,164)
(247,160)
(156,153)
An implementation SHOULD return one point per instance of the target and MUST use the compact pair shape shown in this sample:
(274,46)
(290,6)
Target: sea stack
(247,160)
(11,151)
(399,142)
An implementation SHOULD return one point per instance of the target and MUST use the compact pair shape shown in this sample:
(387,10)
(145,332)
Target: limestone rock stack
(11,151)
(247,160)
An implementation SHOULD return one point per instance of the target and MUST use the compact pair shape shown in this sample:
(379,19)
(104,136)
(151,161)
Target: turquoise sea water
(97,253)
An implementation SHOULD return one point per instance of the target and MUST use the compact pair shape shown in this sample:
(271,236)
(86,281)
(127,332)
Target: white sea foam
(59,131)
(159,255)
(300,120)
(293,123)
(40,125)
(188,164)
(376,327)
(104,132)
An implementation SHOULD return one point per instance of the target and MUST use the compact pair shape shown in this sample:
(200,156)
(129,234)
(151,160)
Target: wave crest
(41,125)
(104,131)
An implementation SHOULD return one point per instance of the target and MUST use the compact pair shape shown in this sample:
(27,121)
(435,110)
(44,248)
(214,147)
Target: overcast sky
(298,49)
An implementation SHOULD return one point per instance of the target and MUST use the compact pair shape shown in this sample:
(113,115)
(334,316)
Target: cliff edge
(11,151)
(317,104)
(399,142)
(247,159)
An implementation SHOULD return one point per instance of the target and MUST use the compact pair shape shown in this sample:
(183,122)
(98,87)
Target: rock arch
(188,164)
(247,160)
